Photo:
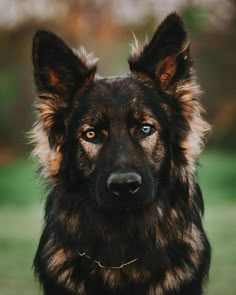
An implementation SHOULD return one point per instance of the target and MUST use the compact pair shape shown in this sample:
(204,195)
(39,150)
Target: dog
(118,154)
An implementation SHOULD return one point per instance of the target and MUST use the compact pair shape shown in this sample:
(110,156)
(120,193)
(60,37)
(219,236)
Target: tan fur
(155,290)
(65,279)
(150,142)
(194,239)
(56,260)
(81,289)
(111,277)
(137,275)
(186,93)
(49,247)
(114,277)
(137,47)
(88,59)
(49,159)
(176,276)
(91,149)
(47,105)
(56,257)
(154,149)
(71,221)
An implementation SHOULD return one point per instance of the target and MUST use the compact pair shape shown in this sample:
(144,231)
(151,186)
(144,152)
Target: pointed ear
(57,69)
(166,57)
(59,74)
(166,60)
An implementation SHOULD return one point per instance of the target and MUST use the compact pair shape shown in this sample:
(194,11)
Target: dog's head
(119,139)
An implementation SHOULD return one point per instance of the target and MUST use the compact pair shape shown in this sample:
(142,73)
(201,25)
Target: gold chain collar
(104,266)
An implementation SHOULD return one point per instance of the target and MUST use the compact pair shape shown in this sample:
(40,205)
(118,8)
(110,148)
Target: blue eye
(146,129)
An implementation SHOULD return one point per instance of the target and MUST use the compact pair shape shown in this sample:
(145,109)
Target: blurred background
(106,27)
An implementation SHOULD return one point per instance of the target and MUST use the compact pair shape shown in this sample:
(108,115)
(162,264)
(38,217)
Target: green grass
(220,226)
(217,176)
(21,221)
(18,184)
(19,232)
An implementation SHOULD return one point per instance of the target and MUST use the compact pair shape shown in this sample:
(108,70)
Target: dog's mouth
(125,205)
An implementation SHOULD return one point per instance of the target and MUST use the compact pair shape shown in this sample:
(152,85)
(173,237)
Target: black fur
(143,236)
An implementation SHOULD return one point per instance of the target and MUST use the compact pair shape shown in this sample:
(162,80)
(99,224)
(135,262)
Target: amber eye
(90,135)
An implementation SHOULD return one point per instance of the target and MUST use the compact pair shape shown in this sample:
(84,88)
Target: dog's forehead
(116,97)
(121,89)
(116,93)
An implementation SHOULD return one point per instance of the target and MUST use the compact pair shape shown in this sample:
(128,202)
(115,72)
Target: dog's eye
(146,130)
(90,135)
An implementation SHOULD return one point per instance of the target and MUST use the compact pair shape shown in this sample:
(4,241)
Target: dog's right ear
(57,69)
(59,74)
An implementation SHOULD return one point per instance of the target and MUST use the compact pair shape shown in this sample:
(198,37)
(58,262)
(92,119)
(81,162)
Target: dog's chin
(118,207)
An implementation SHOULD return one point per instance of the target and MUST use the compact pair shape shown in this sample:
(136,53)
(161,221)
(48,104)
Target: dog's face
(120,145)
(118,138)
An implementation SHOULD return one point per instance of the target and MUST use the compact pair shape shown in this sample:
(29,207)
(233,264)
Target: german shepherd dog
(123,212)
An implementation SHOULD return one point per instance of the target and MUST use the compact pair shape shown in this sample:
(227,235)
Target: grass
(18,184)
(21,221)
(217,176)
(19,232)
(220,226)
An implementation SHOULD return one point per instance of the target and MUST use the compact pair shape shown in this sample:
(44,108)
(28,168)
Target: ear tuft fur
(88,59)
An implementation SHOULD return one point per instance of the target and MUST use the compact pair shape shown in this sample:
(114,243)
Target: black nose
(124,183)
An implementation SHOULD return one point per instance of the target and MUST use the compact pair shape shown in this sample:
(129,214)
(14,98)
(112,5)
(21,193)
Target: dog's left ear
(166,57)
(166,60)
